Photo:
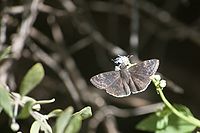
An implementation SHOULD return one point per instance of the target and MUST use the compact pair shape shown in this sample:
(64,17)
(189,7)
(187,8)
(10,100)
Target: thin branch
(19,40)
(3,28)
(51,11)
(134,35)
(15,10)
(173,86)
(181,29)
(108,7)
(88,29)
(105,111)
(42,38)
(41,55)
(81,44)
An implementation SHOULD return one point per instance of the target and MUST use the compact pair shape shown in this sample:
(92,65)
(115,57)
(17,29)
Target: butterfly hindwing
(112,83)
(119,88)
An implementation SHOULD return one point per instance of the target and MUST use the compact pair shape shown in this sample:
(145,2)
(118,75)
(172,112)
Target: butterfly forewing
(141,72)
(105,80)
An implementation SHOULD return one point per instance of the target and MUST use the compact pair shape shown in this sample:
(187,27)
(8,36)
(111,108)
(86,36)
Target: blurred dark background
(78,39)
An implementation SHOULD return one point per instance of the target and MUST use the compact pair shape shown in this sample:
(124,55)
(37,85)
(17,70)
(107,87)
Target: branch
(19,40)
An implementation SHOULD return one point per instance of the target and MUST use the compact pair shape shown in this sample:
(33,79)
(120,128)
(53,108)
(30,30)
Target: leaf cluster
(21,106)
(165,121)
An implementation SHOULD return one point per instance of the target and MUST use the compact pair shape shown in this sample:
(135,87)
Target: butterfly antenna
(113,60)
(129,56)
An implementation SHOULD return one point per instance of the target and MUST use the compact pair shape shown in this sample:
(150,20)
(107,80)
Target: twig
(108,7)
(15,9)
(134,35)
(105,111)
(173,86)
(19,40)
(164,17)
(3,28)
(80,44)
(42,38)
(40,54)
(52,11)
(88,29)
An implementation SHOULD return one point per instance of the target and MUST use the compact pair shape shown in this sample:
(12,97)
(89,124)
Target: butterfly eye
(118,63)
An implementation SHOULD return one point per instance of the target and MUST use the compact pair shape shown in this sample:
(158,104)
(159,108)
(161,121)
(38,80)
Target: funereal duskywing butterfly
(127,78)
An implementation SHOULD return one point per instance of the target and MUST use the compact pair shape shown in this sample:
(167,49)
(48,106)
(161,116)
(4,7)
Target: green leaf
(5,53)
(35,127)
(75,124)
(185,110)
(32,78)
(177,125)
(85,113)
(1,109)
(25,112)
(6,101)
(162,122)
(76,120)
(63,120)
(149,123)
(54,113)
(165,121)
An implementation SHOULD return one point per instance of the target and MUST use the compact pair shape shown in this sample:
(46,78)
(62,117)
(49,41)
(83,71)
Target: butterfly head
(122,62)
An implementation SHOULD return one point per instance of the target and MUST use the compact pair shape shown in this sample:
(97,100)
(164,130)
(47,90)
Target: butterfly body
(128,78)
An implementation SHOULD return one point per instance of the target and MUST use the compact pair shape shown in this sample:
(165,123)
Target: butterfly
(127,78)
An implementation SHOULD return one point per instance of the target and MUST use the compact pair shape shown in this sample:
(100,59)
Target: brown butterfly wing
(105,80)
(119,88)
(141,72)
(112,83)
